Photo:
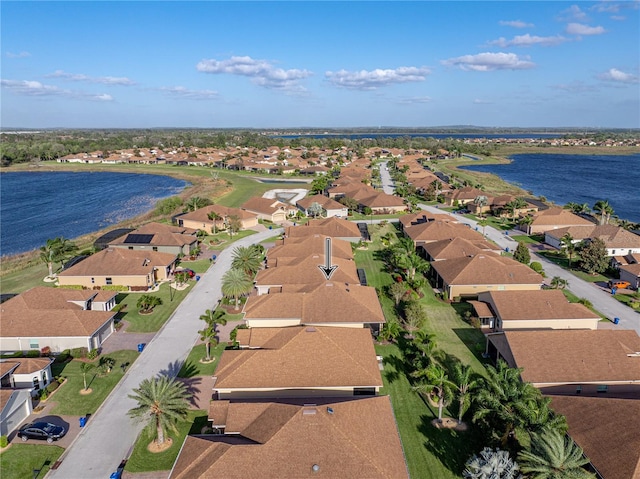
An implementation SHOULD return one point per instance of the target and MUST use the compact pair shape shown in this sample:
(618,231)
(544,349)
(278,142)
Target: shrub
(44,394)
(4,441)
(234,332)
(53,385)
(34,353)
(78,353)
(537,267)
(119,307)
(63,356)
(92,354)
(115,287)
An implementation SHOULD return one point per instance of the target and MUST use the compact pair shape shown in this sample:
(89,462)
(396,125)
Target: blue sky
(320,64)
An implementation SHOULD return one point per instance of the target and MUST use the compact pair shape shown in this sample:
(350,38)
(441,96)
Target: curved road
(601,299)
(110,433)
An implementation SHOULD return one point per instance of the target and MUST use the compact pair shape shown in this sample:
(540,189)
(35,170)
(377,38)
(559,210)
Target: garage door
(14,419)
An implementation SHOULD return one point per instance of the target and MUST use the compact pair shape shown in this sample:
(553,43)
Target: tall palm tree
(568,246)
(196,202)
(208,336)
(553,455)
(413,263)
(162,402)
(215,217)
(466,383)
(437,387)
(481,201)
(57,250)
(604,209)
(236,283)
(86,368)
(248,259)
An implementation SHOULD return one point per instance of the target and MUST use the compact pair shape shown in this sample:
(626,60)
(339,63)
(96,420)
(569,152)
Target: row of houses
(300,397)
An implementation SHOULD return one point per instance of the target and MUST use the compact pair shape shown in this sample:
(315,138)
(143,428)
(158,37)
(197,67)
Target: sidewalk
(110,433)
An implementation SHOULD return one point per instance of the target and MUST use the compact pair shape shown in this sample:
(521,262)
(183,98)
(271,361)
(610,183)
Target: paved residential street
(110,433)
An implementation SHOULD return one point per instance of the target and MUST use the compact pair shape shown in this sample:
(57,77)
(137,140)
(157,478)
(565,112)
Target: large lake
(576,178)
(36,206)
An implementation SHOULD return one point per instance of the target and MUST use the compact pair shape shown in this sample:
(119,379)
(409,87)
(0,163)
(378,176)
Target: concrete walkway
(110,434)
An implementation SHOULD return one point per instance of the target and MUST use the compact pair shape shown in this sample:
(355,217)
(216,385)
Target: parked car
(190,272)
(41,430)
(616,283)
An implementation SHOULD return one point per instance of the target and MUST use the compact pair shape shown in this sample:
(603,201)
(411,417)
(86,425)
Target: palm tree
(526,221)
(147,302)
(236,283)
(604,209)
(437,186)
(463,378)
(413,263)
(437,387)
(248,259)
(208,336)
(558,283)
(215,217)
(553,455)
(390,330)
(480,201)
(196,202)
(57,250)
(162,402)
(86,368)
(568,246)
(491,464)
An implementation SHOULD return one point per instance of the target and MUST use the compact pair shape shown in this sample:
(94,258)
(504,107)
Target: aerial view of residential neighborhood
(311,239)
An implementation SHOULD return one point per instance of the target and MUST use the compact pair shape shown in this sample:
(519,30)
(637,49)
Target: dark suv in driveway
(41,430)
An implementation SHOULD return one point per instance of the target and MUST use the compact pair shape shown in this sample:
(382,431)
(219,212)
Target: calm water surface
(36,206)
(577,178)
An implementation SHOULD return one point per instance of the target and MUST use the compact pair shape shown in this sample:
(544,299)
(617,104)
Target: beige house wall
(56,344)
(272,322)
(474,290)
(138,281)
(208,225)
(161,249)
(548,324)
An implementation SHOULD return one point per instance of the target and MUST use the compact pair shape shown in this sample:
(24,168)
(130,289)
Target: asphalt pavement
(110,434)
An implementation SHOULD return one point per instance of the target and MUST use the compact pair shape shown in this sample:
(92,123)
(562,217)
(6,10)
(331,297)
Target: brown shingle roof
(47,312)
(307,246)
(120,261)
(607,430)
(485,269)
(324,201)
(558,216)
(613,236)
(534,305)
(201,214)
(576,356)
(441,230)
(303,357)
(268,206)
(413,219)
(343,438)
(306,271)
(458,247)
(334,227)
(330,302)
(25,365)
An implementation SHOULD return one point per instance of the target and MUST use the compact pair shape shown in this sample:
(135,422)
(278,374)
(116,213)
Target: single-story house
(455,248)
(430,231)
(32,374)
(159,237)
(290,249)
(422,217)
(543,309)
(139,270)
(334,227)
(205,218)
(617,240)
(304,272)
(269,209)
(300,361)
(329,207)
(58,318)
(607,431)
(462,196)
(468,276)
(552,219)
(329,304)
(296,440)
(631,273)
(381,203)
(573,361)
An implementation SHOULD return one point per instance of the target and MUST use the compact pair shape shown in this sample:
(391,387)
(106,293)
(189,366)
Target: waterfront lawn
(246,187)
(430,452)
(67,397)
(150,323)
(22,460)
(24,279)
(142,460)
(192,367)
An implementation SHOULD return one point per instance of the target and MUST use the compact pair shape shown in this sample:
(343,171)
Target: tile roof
(330,302)
(305,271)
(306,246)
(576,356)
(324,201)
(302,357)
(48,312)
(268,206)
(440,230)
(457,247)
(485,269)
(558,216)
(613,236)
(342,438)
(534,305)
(607,430)
(334,227)
(120,261)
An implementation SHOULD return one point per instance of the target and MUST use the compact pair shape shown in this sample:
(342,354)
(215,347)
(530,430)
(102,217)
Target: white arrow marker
(327,268)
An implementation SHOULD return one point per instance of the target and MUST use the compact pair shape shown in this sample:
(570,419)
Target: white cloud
(582,29)
(182,92)
(618,76)
(372,79)
(618,18)
(35,88)
(18,55)
(478,101)
(262,72)
(528,40)
(108,80)
(483,62)
(415,99)
(573,13)
(516,24)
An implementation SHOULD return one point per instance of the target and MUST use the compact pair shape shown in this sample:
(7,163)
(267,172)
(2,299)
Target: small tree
(437,387)
(559,283)
(315,209)
(147,302)
(521,253)
(397,291)
(86,368)
(414,315)
(593,256)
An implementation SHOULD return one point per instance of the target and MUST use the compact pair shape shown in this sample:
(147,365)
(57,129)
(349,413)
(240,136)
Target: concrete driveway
(110,433)
(70,423)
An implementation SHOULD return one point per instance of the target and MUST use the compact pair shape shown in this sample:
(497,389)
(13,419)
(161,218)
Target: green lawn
(21,460)
(524,239)
(142,460)
(193,367)
(27,278)
(68,398)
(430,452)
